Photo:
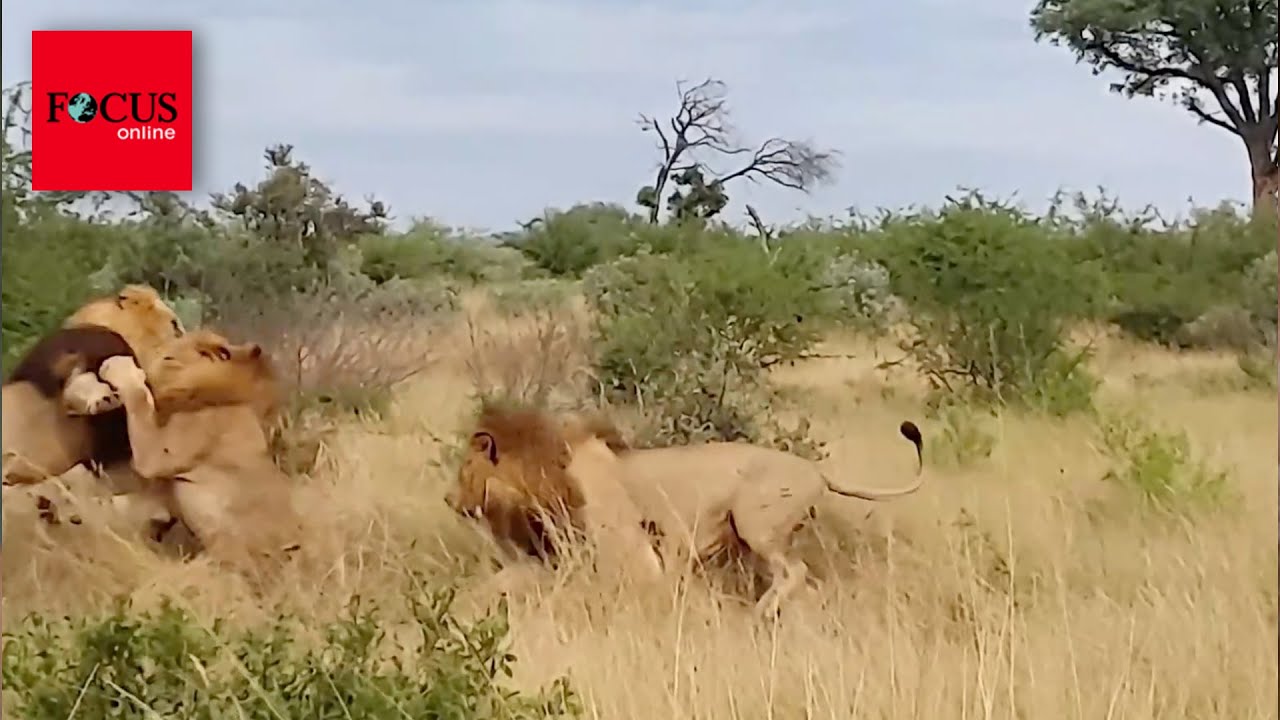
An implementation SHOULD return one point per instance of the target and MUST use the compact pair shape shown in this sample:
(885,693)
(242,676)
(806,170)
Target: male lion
(719,494)
(536,480)
(199,439)
(57,412)
(139,315)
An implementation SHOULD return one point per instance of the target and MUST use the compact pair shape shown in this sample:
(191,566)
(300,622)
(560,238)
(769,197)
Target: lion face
(516,461)
(479,470)
(521,491)
(137,313)
(203,369)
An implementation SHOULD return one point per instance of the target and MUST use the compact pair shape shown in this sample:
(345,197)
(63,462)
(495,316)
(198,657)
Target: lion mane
(59,413)
(538,480)
(515,477)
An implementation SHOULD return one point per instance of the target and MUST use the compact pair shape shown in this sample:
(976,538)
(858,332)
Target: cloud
(485,112)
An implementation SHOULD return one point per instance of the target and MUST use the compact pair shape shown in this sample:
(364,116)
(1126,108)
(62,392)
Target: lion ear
(483,442)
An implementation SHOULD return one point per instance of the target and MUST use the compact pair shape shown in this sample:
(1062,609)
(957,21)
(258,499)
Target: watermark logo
(111,110)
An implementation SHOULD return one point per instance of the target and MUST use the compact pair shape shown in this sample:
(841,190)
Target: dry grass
(994,592)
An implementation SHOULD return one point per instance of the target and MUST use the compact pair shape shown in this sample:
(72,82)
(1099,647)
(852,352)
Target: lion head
(514,476)
(203,369)
(137,313)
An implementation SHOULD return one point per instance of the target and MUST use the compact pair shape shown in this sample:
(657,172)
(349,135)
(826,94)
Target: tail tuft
(912,433)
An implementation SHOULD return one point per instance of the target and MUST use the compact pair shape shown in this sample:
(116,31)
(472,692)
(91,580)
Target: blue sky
(485,112)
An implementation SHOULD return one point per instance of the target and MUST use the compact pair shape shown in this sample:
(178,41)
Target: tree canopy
(1216,58)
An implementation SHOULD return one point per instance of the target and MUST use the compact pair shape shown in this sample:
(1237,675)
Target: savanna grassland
(1096,536)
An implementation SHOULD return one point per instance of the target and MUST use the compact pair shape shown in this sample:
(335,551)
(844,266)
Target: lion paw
(122,372)
(104,403)
(85,394)
(49,512)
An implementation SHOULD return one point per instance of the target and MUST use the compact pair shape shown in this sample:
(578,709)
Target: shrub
(46,260)
(530,353)
(991,292)
(687,336)
(1159,466)
(568,242)
(346,349)
(429,249)
(1161,280)
(163,664)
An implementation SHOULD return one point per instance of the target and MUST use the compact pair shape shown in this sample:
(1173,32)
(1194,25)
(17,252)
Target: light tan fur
(138,313)
(536,480)
(142,318)
(201,443)
(40,440)
(708,497)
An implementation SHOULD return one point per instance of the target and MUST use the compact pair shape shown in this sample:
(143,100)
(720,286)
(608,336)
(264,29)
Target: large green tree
(1217,58)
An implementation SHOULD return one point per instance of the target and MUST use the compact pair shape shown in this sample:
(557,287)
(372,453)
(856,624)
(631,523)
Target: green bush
(991,293)
(688,335)
(163,664)
(47,260)
(429,249)
(1161,279)
(568,242)
(1159,467)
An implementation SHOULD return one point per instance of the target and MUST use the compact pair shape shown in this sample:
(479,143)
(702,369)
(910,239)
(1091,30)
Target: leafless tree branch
(700,132)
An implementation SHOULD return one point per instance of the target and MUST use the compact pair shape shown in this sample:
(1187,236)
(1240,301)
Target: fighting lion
(537,481)
(198,420)
(708,498)
(58,412)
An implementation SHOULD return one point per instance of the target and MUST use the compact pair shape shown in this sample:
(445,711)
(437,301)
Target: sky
(483,113)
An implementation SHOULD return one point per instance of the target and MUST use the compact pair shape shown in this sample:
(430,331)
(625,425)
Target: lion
(139,315)
(536,481)
(58,412)
(198,420)
(719,495)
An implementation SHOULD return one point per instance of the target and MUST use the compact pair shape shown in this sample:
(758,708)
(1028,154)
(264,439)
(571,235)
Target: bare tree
(699,136)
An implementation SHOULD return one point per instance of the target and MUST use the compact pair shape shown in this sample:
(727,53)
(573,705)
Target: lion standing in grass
(58,412)
(724,494)
(198,426)
(536,481)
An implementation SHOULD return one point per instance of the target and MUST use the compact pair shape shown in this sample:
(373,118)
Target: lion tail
(910,432)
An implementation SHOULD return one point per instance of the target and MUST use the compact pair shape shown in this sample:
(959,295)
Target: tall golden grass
(997,591)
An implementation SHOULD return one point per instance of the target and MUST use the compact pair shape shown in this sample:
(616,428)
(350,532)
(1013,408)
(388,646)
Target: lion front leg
(158,453)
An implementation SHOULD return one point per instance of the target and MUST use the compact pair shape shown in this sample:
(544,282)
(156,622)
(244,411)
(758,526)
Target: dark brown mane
(48,364)
(45,364)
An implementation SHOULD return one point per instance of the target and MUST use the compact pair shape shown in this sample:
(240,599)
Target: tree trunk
(1265,171)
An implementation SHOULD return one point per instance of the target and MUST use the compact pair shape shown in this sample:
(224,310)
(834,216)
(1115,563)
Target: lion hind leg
(86,394)
(787,575)
(767,534)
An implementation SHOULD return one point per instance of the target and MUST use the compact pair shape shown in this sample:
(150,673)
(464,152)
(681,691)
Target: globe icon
(82,107)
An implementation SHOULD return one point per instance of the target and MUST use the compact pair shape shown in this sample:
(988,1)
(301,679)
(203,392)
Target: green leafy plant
(130,664)
(991,295)
(1159,466)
